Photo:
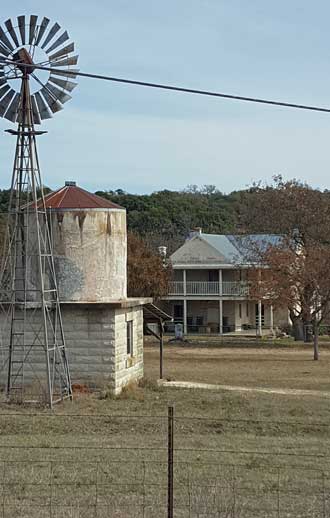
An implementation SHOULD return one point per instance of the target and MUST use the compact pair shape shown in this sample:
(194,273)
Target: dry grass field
(236,454)
(270,366)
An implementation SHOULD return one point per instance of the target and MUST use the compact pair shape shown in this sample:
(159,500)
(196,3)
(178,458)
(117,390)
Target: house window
(129,330)
(247,309)
(240,310)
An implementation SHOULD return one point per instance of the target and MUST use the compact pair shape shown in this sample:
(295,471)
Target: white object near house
(210,290)
(178,331)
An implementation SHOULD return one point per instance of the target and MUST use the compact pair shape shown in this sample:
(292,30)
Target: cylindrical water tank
(89,240)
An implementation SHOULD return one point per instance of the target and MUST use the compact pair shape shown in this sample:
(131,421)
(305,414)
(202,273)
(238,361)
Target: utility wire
(182,89)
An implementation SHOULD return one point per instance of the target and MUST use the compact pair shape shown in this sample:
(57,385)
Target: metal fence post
(170,446)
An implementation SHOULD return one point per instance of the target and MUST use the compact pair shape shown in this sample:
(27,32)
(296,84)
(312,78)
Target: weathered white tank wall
(90,251)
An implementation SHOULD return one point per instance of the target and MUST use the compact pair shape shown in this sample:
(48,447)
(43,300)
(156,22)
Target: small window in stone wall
(129,339)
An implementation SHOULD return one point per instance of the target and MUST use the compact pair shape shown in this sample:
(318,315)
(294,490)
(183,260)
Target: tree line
(296,274)
(166,217)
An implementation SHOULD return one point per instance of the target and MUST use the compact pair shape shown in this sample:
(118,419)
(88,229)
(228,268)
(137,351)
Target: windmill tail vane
(35,363)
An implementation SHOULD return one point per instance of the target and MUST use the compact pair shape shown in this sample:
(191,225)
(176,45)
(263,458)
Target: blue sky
(114,136)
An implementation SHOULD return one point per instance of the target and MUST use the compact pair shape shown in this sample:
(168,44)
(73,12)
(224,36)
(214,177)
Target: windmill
(29,297)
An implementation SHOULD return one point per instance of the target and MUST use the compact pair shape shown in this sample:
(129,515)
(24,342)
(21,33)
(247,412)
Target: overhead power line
(182,89)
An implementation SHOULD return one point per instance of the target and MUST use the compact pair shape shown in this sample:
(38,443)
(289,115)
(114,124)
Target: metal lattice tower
(33,340)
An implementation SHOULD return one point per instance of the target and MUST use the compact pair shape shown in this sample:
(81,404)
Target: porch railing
(234,288)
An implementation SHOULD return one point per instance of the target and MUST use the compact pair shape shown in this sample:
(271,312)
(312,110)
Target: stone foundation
(96,342)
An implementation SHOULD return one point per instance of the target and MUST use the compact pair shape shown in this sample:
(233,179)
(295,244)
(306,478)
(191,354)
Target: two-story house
(210,289)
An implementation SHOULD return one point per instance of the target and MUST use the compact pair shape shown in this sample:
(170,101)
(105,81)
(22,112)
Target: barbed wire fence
(162,478)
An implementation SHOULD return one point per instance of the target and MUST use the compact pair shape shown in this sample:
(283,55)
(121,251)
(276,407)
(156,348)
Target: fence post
(170,446)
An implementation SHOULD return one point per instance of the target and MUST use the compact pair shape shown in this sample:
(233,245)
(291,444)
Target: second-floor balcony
(226,288)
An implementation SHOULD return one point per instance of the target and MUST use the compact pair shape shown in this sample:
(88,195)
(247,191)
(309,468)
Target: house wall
(96,343)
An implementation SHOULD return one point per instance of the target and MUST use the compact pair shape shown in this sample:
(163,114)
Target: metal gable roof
(237,249)
(223,245)
(250,243)
(74,197)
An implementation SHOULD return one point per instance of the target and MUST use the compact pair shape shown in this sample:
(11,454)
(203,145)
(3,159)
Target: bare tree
(297,212)
(147,274)
(297,277)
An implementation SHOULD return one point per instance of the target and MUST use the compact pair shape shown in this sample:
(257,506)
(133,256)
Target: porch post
(185,330)
(184,282)
(271,318)
(220,283)
(220,317)
(259,318)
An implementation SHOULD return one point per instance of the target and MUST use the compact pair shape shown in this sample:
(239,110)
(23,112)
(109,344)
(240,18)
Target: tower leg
(37,359)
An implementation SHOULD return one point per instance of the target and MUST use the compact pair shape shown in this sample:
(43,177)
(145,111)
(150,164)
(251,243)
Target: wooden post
(161,343)
(184,282)
(220,283)
(259,318)
(185,330)
(170,471)
(220,317)
(271,319)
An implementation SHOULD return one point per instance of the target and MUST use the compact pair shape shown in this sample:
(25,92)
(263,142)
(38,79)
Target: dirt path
(209,386)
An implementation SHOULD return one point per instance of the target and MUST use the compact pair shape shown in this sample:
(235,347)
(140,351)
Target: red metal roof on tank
(72,197)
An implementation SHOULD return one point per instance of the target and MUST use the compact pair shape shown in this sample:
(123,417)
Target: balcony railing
(234,288)
(237,288)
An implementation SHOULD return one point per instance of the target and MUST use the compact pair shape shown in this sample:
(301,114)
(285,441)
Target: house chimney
(162,250)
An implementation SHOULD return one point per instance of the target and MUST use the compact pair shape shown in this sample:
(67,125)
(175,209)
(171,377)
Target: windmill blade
(59,95)
(33,26)
(36,115)
(66,73)
(12,32)
(56,27)
(5,41)
(4,50)
(3,90)
(63,83)
(5,102)
(53,104)
(2,72)
(64,37)
(42,28)
(21,26)
(65,62)
(3,81)
(42,107)
(63,52)
(11,113)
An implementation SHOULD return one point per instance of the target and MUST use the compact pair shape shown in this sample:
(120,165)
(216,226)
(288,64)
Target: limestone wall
(96,341)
